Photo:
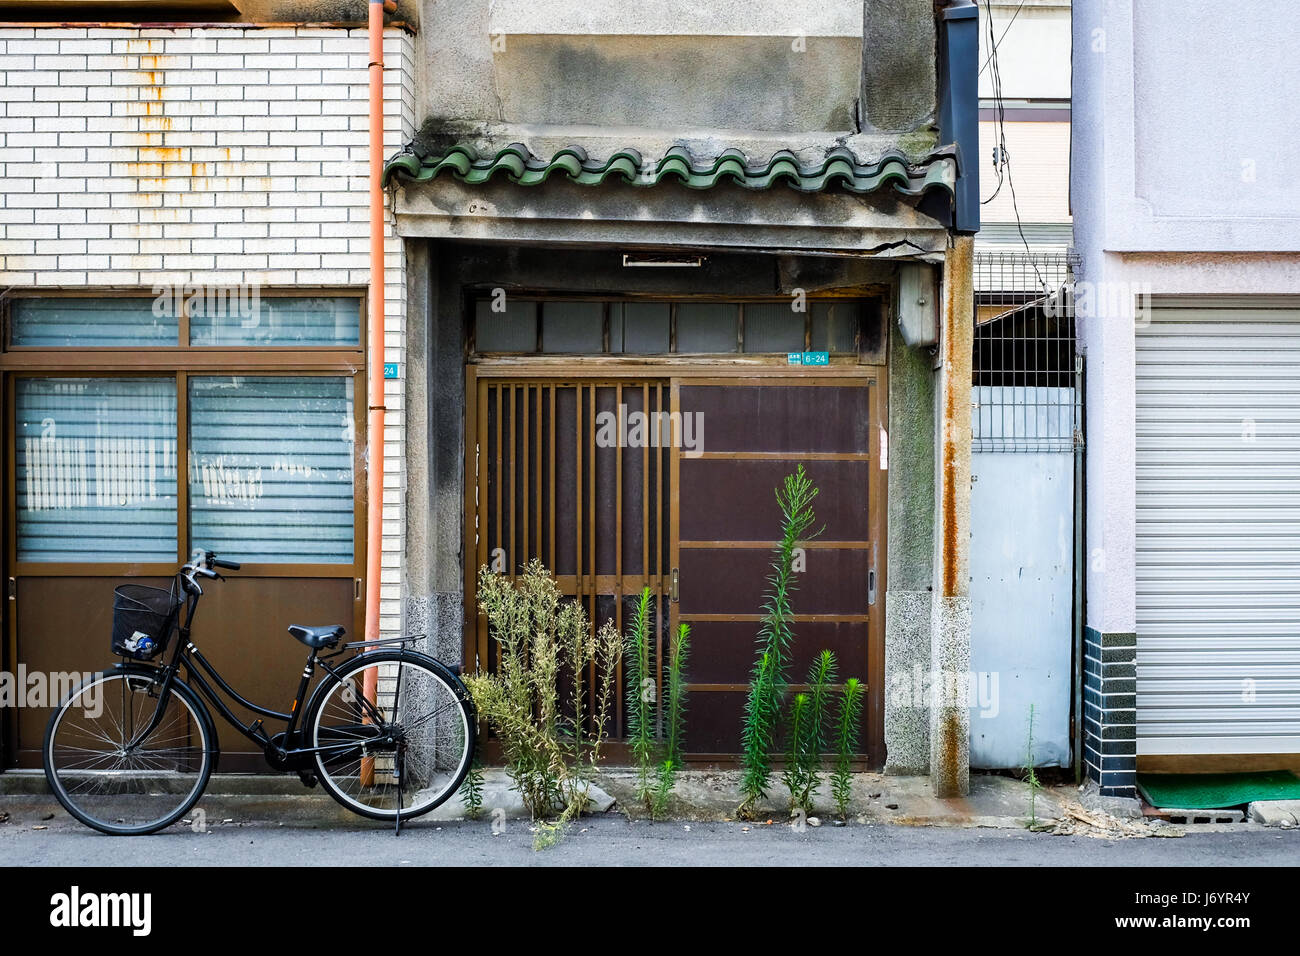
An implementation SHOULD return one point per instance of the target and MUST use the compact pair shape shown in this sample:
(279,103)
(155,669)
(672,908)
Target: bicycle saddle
(318,637)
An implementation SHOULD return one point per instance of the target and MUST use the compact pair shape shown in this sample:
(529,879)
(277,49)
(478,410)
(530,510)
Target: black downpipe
(959,51)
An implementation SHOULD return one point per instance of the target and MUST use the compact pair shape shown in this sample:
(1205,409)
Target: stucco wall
(1201,238)
(1194,105)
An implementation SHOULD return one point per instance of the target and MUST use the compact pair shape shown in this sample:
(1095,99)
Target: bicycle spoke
(407,750)
(113,782)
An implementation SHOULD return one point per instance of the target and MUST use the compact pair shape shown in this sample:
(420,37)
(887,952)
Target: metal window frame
(181,362)
(858,355)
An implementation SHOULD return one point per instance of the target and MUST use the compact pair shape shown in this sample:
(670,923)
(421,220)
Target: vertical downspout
(375,343)
(1080,589)
(950,612)
(959,50)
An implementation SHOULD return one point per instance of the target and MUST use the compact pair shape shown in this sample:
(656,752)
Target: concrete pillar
(950,621)
(910,594)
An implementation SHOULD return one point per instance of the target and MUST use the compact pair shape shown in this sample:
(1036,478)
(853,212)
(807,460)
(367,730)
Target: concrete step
(1275,813)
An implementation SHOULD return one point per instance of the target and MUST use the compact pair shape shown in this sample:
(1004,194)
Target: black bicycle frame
(196,665)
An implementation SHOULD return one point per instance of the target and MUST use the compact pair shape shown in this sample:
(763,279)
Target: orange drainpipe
(375,376)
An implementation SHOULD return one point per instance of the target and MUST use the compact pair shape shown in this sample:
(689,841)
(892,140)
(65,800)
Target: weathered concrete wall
(911,554)
(677,68)
(899,79)
(680,83)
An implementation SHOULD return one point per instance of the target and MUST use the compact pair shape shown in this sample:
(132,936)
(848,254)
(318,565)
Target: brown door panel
(754,436)
(241,627)
(714,722)
(65,624)
(733,581)
(722,652)
(730,499)
(807,419)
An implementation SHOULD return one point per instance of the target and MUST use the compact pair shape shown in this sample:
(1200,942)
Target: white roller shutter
(1218,531)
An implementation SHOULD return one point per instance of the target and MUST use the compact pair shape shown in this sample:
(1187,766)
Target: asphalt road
(612,840)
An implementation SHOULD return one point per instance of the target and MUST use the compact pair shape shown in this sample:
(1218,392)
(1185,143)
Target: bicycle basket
(143,620)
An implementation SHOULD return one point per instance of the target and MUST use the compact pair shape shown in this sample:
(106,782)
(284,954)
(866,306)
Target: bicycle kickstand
(397,765)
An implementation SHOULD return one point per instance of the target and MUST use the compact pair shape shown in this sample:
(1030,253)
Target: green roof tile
(839,166)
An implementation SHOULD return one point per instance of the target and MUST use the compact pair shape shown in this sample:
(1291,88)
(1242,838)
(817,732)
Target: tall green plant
(1030,774)
(641,710)
(675,720)
(550,744)
(768,679)
(676,693)
(471,792)
(807,734)
(847,726)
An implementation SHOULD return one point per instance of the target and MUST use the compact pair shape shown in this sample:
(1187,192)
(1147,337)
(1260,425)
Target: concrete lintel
(668,215)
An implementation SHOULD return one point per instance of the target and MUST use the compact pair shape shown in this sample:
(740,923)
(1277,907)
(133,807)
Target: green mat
(1216,791)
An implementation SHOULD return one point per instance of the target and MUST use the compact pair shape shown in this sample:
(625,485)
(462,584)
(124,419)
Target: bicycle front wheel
(108,773)
(396,734)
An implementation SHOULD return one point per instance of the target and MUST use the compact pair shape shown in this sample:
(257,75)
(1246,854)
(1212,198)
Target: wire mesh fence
(1026,370)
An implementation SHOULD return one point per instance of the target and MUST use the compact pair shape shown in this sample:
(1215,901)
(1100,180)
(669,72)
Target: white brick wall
(135,157)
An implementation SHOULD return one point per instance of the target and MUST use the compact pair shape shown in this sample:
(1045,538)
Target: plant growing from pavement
(550,743)
(641,698)
(1029,774)
(846,744)
(675,720)
(767,683)
(807,734)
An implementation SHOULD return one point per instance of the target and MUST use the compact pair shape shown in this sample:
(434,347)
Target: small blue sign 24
(808,358)
(390,370)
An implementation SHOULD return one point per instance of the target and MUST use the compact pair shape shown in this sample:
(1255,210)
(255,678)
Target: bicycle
(388,731)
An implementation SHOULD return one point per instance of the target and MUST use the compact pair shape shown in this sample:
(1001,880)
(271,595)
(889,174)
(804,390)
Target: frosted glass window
(513,329)
(106,321)
(236,317)
(707,327)
(270,468)
(773,327)
(573,327)
(835,326)
(96,469)
(640,328)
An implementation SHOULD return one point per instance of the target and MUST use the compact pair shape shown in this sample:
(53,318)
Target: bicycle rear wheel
(404,752)
(112,781)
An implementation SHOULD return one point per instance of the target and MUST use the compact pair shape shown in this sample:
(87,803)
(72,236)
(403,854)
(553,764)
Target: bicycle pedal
(307,777)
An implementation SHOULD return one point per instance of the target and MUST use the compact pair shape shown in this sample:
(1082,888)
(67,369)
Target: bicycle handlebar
(203,567)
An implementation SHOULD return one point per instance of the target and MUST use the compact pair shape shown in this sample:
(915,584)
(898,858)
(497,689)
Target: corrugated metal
(837,167)
(1021,573)
(1218,531)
